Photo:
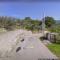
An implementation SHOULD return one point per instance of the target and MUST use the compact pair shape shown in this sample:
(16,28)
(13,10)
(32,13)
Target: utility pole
(43,23)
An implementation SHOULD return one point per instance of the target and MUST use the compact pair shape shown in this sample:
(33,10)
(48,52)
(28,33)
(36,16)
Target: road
(7,40)
(31,49)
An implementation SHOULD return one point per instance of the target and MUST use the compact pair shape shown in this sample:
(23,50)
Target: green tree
(49,21)
(27,18)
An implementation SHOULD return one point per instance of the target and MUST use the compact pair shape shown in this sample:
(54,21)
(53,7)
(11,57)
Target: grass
(55,48)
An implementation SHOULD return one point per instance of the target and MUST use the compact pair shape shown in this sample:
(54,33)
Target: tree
(27,18)
(49,21)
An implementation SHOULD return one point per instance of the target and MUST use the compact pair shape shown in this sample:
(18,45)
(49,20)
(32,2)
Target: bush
(9,28)
(58,38)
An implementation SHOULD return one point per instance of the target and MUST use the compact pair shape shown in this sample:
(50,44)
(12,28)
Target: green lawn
(55,48)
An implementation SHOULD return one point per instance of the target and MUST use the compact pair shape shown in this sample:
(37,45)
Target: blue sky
(34,10)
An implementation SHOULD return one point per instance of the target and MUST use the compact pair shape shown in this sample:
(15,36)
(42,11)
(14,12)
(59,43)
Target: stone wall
(51,37)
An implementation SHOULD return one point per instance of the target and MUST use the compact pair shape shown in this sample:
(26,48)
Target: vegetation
(55,28)
(49,21)
(55,48)
(58,38)
(11,23)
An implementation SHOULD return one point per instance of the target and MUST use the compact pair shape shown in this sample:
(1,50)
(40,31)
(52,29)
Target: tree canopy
(49,21)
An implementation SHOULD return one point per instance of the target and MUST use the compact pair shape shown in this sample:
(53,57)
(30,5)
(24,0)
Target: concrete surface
(31,48)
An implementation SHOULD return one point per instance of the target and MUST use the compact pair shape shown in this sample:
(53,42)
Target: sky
(35,10)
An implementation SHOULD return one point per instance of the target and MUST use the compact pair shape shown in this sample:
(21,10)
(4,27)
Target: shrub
(58,38)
